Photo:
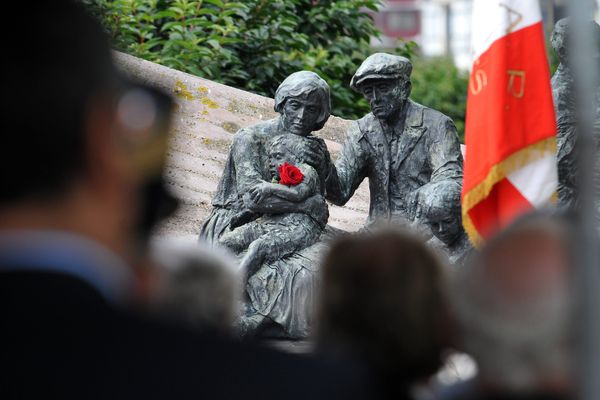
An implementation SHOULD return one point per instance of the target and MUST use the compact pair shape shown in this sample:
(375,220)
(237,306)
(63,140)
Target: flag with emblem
(510,133)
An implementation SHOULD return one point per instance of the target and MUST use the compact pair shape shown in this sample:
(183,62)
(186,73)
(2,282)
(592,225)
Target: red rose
(290,175)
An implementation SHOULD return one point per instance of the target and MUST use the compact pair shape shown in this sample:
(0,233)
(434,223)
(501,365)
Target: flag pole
(587,276)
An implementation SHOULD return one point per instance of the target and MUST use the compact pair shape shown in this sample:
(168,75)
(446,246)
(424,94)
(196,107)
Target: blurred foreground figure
(81,188)
(197,284)
(383,307)
(514,305)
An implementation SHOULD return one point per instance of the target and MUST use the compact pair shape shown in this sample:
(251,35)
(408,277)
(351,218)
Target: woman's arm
(309,186)
(290,193)
(276,205)
(246,151)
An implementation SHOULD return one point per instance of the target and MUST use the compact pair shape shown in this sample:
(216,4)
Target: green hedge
(255,44)
(252,45)
(438,84)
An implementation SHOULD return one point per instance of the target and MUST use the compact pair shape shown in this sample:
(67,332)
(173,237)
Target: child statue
(439,208)
(269,237)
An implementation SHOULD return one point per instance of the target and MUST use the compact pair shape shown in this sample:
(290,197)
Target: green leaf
(214,43)
(217,3)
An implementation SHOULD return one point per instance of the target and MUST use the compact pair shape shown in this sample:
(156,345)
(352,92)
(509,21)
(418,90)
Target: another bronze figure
(275,228)
(400,146)
(439,209)
(566,113)
(278,228)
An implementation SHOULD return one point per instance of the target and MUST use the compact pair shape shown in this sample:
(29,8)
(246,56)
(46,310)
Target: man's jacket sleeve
(349,170)
(445,157)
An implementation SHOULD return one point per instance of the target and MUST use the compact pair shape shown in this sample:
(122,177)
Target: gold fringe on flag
(498,172)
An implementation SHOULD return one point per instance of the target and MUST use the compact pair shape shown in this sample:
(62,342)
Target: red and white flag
(510,160)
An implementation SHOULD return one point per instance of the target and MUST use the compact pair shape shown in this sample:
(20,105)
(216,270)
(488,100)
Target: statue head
(304,102)
(560,38)
(384,80)
(283,148)
(440,208)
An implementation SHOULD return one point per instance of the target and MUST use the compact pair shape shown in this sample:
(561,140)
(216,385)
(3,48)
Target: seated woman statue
(280,285)
(271,237)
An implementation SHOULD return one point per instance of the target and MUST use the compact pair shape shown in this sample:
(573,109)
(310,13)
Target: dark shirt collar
(69,254)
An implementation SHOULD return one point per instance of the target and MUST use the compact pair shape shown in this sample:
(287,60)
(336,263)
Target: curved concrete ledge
(207,115)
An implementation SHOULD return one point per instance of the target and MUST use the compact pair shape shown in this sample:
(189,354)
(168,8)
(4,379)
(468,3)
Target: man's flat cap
(381,66)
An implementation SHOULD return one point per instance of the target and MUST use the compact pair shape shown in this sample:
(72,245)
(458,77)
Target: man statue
(400,146)
(563,92)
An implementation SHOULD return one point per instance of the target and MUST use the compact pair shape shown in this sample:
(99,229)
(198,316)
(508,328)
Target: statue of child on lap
(270,237)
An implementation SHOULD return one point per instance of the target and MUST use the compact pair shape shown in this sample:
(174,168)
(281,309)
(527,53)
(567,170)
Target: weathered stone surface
(207,115)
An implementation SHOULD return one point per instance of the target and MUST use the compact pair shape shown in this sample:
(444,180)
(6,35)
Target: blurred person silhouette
(383,307)
(81,181)
(513,305)
(196,284)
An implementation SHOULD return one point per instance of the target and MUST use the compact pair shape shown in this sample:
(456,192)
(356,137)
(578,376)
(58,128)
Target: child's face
(276,158)
(444,226)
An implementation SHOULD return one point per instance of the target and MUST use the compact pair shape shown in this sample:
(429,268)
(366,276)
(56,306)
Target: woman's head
(196,284)
(383,302)
(304,102)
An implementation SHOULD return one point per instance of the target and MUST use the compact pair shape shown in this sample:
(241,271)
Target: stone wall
(207,115)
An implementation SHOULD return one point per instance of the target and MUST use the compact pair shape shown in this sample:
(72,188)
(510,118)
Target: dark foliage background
(255,44)
(438,84)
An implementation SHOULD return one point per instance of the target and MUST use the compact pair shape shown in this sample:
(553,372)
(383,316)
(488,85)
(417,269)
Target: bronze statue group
(84,188)
(409,153)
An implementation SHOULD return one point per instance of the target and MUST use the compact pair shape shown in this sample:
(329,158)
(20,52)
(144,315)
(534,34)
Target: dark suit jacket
(60,339)
(471,390)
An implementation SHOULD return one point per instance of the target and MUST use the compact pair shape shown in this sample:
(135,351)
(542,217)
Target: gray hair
(302,83)
(198,285)
(443,194)
(292,145)
(516,343)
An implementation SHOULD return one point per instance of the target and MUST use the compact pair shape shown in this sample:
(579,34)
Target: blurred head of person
(513,304)
(74,132)
(382,304)
(197,285)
